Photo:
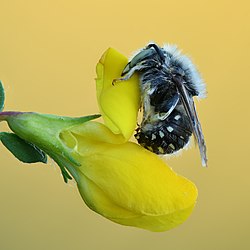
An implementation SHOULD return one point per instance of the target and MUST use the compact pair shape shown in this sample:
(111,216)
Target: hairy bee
(168,83)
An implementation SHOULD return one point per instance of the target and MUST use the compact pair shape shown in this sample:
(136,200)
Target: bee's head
(151,53)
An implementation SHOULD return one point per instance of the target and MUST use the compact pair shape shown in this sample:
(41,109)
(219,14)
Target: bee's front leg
(128,74)
(119,80)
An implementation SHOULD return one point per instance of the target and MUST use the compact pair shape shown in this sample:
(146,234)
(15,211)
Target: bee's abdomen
(167,136)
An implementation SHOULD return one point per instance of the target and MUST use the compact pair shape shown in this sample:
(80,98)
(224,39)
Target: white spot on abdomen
(177,117)
(171,146)
(161,150)
(161,134)
(169,129)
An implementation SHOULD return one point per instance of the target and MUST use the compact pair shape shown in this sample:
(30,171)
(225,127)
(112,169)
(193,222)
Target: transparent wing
(163,102)
(191,112)
(171,104)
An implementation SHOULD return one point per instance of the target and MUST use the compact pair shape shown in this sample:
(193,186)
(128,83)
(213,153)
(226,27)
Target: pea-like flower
(126,183)
(116,178)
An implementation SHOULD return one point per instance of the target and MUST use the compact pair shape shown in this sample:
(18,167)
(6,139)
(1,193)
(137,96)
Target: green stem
(4,115)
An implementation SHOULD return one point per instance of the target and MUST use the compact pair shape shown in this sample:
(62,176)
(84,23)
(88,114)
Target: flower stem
(4,115)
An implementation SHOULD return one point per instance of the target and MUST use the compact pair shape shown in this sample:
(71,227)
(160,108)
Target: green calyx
(43,132)
(38,135)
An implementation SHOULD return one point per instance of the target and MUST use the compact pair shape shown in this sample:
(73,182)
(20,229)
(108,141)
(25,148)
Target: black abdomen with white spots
(165,136)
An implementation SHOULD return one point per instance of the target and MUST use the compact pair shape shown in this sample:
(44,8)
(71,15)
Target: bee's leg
(128,74)
(140,108)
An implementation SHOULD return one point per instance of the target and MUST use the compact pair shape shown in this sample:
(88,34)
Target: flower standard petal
(118,103)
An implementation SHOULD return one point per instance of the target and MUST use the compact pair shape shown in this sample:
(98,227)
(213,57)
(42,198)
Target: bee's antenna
(158,50)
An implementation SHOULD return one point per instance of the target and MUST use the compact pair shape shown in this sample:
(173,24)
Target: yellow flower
(126,183)
(116,178)
(121,180)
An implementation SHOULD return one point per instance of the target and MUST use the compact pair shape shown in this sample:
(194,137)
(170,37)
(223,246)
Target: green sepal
(59,161)
(2,96)
(43,130)
(22,150)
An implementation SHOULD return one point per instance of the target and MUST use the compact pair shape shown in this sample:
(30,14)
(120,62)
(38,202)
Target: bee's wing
(168,105)
(191,112)
(172,103)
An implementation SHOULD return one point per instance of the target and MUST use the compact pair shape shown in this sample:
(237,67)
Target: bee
(168,83)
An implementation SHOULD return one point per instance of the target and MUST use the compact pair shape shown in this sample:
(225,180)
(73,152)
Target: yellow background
(48,53)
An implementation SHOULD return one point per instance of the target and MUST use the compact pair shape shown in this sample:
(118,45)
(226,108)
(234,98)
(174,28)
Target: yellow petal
(128,184)
(118,104)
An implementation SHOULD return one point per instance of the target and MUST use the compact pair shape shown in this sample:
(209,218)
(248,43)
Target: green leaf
(2,96)
(22,150)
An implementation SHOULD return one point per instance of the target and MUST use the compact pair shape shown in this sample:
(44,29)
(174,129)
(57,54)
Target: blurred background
(48,53)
